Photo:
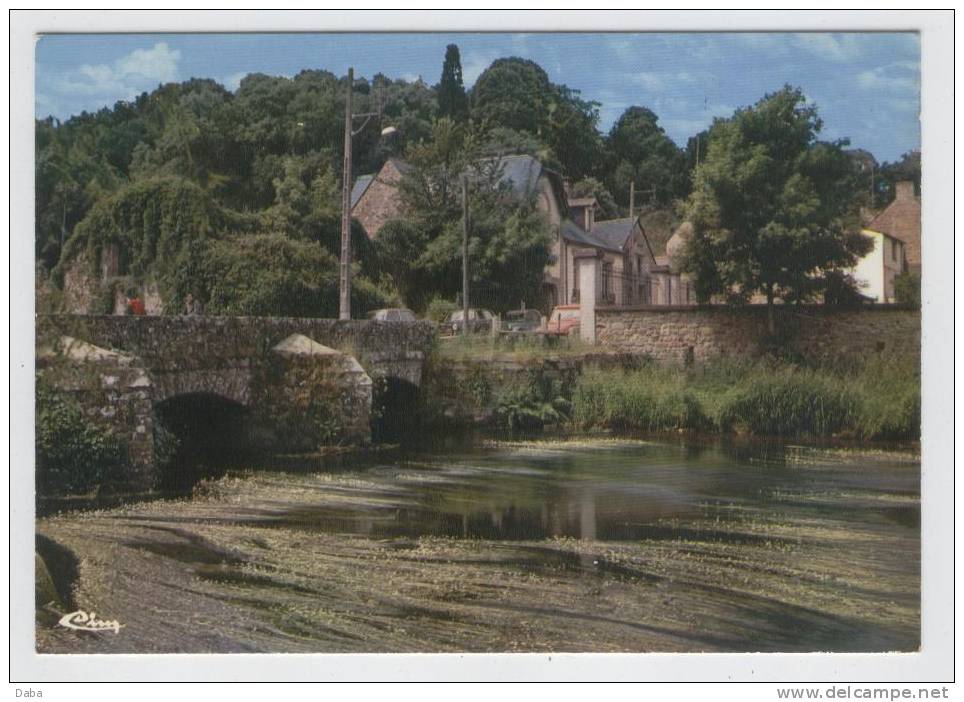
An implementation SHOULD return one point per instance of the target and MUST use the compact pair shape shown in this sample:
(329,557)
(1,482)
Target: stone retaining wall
(467,391)
(673,334)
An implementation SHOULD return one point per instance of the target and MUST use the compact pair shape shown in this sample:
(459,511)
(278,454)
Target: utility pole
(632,197)
(344,298)
(465,254)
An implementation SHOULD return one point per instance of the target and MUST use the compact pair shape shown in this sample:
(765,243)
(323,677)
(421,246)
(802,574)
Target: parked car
(479,321)
(393,314)
(563,319)
(522,321)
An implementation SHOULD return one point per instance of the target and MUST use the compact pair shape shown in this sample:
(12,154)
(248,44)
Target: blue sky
(866,85)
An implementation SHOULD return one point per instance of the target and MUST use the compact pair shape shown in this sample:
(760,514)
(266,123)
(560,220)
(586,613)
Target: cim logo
(81,621)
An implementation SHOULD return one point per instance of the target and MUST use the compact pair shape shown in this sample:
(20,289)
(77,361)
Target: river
(545,546)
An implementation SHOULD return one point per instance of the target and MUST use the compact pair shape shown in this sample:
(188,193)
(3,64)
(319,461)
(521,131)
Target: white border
(934,663)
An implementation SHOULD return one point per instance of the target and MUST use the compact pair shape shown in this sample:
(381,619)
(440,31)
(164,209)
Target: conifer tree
(452,101)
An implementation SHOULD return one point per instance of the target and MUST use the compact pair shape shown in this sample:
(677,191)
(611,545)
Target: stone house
(636,268)
(568,219)
(375,198)
(875,271)
(901,220)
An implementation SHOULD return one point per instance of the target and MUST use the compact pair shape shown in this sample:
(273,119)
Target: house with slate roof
(636,266)
(376,199)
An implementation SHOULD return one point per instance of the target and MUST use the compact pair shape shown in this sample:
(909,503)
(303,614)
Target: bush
(907,289)
(73,455)
(530,407)
(439,309)
(274,275)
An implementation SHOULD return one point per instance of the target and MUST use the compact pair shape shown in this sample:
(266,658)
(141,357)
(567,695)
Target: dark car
(522,321)
(479,321)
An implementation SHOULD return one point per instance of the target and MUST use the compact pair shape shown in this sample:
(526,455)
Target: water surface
(599,546)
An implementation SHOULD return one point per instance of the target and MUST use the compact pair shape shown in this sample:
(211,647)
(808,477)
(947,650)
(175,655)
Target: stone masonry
(302,381)
(677,334)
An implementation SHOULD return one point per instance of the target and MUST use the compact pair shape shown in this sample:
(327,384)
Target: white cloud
(128,76)
(650,81)
(158,63)
(771,42)
(624,48)
(901,76)
(833,47)
(658,81)
(233,82)
(474,64)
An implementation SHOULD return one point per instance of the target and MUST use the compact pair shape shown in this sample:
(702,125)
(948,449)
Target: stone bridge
(299,382)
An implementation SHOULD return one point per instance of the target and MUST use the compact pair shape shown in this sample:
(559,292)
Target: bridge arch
(233,384)
(198,435)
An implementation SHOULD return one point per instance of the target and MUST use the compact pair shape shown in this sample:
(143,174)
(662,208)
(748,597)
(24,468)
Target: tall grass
(648,399)
(875,398)
(889,392)
(788,401)
(519,347)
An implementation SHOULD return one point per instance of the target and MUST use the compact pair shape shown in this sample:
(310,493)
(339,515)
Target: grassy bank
(875,398)
(520,347)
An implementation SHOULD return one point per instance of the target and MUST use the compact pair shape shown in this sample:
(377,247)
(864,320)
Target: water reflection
(621,494)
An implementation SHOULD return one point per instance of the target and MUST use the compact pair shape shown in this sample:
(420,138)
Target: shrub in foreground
(73,455)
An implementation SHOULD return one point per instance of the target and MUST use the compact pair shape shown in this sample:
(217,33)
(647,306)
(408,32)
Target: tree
(514,93)
(590,187)
(696,149)
(572,134)
(271,274)
(398,248)
(641,153)
(509,240)
(452,101)
(773,208)
(867,174)
(907,168)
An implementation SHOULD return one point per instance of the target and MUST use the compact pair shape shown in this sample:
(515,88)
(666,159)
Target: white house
(876,271)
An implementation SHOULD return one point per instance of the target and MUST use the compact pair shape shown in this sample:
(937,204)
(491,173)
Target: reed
(873,398)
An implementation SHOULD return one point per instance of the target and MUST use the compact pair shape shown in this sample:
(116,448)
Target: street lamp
(344,301)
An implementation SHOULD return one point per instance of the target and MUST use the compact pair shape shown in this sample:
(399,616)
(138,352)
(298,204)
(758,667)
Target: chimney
(904,190)
(590,217)
(567,187)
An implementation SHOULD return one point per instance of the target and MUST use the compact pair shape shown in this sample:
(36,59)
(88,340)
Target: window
(607,280)
(893,250)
